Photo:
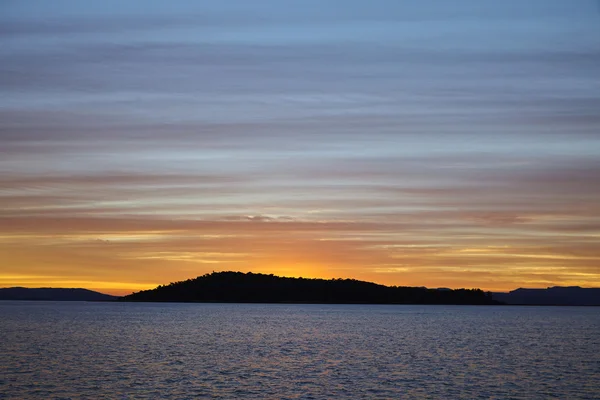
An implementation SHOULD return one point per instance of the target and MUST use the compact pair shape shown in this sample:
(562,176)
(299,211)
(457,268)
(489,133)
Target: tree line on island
(239,287)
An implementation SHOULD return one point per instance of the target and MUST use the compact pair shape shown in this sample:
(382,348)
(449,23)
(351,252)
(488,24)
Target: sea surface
(64,350)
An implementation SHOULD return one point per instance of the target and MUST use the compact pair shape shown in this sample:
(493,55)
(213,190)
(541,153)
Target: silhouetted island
(552,296)
(53,294)
(239,287)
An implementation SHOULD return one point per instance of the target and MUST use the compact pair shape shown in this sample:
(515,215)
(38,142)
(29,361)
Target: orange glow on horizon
(143,260)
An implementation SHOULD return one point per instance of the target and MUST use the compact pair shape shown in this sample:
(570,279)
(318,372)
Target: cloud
(427,138)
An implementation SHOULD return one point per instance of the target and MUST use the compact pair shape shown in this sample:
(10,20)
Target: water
(178,351)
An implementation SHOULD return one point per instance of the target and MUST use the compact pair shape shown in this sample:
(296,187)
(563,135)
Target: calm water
(104,350)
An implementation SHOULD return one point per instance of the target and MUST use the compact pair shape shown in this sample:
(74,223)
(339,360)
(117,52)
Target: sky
(418,143)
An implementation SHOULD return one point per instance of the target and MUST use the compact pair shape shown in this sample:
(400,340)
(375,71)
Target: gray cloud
(332,133)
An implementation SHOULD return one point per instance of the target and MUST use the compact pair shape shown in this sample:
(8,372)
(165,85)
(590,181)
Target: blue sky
(469,125)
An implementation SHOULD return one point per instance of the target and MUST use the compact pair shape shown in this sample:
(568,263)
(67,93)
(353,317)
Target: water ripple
(180,351)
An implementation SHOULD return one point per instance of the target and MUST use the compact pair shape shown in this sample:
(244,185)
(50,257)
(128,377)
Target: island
(239,287)
(552,296)
(53,294)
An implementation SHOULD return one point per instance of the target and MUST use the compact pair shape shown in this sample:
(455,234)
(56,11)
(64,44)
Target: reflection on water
(106,350)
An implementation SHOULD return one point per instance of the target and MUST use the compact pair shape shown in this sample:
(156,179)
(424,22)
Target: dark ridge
(552,296)
(53,294)
(239,287)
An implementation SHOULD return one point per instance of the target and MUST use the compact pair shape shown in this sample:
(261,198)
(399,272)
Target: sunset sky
(425,143)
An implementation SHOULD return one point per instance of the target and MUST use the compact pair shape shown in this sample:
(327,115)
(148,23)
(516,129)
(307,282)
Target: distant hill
(557,295)
(238,287)
(21,293)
